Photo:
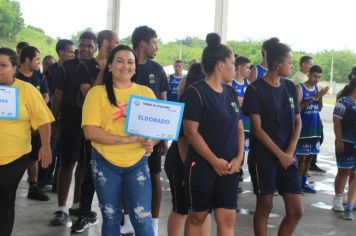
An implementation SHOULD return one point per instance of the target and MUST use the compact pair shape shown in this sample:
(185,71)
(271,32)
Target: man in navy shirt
(152,75)
(91,74)
(29,72)
(67,100)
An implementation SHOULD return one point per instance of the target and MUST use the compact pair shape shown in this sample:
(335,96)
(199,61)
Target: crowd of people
(72,116)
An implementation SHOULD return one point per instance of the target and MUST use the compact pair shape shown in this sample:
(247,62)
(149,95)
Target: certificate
(152,118)
(9,103)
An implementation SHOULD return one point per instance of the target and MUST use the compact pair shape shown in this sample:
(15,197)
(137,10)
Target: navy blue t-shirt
(152,75)
(37,79)
(277,107)
(218,115)
(52,74)
(68,81)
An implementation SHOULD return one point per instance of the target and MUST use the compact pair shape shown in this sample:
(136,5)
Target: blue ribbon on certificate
(152,118)
(9,103)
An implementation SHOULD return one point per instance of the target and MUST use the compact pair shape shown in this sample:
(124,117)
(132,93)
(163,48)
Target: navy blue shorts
(268,175)
(206,190)
(72,148)
(308,146)
(173,167)
(347,159)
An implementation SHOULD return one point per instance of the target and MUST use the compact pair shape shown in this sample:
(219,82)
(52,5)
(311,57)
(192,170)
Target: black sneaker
(80,225)
(84,222)
(59,218)
(36,193)
(316,168)
(92,218)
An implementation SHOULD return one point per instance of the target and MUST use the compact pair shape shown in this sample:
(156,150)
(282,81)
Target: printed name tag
(9,103)
(152,118)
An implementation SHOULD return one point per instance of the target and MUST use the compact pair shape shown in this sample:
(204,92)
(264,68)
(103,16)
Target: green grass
(38,39)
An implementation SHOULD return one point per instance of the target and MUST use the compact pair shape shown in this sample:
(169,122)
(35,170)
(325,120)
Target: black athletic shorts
(206,190)
(268,175)
(173,167)
(154,161)
(71,146)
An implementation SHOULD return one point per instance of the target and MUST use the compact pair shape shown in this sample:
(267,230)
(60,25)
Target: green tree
(11,21)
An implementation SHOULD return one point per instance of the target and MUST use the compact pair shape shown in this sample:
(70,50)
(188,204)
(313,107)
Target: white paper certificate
(9,103)
(152,118)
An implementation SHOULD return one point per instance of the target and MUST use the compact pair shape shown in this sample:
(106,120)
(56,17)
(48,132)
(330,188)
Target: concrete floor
(32,218)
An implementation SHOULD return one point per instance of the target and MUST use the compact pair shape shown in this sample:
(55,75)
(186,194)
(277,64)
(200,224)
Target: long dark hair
(195,74)
(347,90)
(108,80)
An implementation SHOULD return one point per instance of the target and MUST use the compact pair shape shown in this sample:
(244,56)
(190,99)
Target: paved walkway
(32,218)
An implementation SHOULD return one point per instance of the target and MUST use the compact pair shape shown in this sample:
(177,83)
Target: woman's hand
(221,166)
(45,156)
(134,139)
(339,146)
(148,144)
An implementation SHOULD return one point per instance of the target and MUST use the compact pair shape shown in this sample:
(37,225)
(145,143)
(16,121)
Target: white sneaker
(337,204)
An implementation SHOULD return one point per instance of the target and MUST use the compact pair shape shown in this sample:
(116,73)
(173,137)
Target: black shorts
(206,190)
(173,167)
(71,148)
(154,161)
(268,176)
(36,145)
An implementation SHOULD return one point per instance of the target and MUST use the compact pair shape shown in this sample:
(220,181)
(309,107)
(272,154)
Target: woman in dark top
(272,106)
(215,133)
(173,166)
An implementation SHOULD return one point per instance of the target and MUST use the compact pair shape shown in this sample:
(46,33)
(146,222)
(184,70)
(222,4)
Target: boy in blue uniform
(174,80)
(239,84)
(310,100)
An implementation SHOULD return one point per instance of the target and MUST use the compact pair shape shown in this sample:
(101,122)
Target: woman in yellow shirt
(22,108)
(119,161)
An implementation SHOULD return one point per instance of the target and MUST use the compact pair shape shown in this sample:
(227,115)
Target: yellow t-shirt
(15,135)
(98,111)
(299,77)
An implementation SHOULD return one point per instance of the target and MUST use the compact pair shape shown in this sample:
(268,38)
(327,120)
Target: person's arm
(99,135)
(181,87)
(183,147)
(44,153)
(263,137)
(45,97)
(57,102)
(295,136)
(84,88)
(252,77)
(99,78)
(339,145)
(195,139)
(236,162)
(240,100)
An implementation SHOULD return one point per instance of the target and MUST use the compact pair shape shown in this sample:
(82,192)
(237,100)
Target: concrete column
(113,15)
(220,25)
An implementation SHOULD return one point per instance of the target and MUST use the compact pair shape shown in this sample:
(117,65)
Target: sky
(305,25)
